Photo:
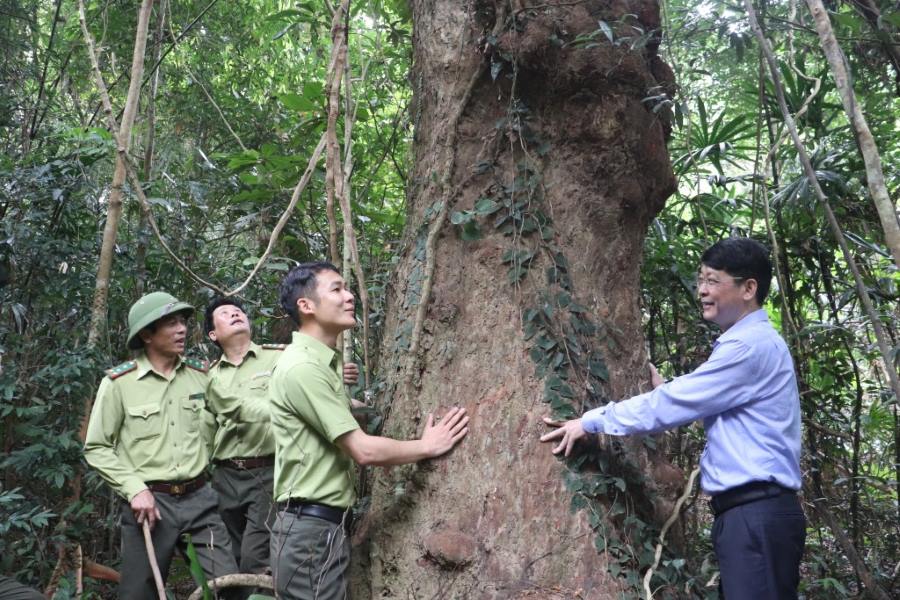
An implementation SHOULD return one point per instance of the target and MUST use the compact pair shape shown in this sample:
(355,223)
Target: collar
(737,330)
(253,349)
(319,351)
(144,367)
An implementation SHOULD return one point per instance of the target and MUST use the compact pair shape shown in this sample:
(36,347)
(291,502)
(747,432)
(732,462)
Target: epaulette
(273,346)
(120,369)
(197,365)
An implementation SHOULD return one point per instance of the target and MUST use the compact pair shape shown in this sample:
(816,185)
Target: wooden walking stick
(151,556)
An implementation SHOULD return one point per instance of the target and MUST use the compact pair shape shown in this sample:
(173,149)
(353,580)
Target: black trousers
(759,546)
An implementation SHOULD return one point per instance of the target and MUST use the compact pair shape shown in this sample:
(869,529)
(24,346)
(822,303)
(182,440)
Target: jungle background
(196,162)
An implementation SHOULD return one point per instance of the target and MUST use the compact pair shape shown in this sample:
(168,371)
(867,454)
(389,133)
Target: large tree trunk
(503,92)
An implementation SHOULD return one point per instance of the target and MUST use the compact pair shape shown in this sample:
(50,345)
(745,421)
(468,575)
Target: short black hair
(742,258)
(300,282)
(216,303)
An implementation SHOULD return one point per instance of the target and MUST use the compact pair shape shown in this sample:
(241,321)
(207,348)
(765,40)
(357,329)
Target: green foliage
(197,569)
(224,171)
(221,176)
(724,186)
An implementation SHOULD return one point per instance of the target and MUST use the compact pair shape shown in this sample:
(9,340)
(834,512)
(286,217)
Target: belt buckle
(177,489)
(239,463)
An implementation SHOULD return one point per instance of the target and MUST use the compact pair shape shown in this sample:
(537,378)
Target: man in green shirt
(149,437)
(244,450)
(317,440)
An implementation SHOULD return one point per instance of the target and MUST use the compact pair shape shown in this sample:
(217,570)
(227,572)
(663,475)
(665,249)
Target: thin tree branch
(236,580)
(861,289)
(32,130)
(160,60)
(334,176)
(859,565)
(145,205)
(286,215)
(352,262)
(216,106)
(865,141)
(688,488)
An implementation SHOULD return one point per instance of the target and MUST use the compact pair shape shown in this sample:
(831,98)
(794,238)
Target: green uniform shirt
(148,427)
(310,409)
(239,397)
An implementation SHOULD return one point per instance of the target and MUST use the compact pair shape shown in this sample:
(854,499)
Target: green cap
(150,308)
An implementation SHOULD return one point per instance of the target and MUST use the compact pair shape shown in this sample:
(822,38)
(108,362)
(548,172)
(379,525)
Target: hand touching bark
(567,432)
(440,438)
(655,378)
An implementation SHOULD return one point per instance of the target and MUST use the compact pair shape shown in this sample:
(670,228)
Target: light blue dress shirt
(746,394)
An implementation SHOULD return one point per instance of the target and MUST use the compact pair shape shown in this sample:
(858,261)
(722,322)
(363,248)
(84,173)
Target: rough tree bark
(496,85)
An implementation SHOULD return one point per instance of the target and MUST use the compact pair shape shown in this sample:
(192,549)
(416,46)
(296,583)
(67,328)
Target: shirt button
(173,423)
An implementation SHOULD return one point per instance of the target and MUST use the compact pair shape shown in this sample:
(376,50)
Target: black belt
(177,488)
(750,492)
(311,509)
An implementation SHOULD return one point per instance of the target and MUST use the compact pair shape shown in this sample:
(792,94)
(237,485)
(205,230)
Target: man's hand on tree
(451,428)
(143,505)
(567,432)
(656,379)
(351,373)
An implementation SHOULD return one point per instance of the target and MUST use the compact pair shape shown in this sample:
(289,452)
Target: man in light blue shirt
(746,394)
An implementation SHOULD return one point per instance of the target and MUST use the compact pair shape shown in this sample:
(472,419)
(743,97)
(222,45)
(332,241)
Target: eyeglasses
(712,283)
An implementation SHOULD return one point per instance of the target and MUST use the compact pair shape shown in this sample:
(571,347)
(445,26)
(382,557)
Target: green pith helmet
(150,308)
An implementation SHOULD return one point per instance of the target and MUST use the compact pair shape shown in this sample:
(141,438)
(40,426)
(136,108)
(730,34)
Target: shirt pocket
(144,421)
(259,383)
(255,400)
(192,408)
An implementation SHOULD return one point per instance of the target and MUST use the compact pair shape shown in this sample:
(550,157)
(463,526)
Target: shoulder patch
(197,365)
(274,346)
(120,369)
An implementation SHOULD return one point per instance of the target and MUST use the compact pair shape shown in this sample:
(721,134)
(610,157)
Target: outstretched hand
(567,432)
(656,379)
(451,428)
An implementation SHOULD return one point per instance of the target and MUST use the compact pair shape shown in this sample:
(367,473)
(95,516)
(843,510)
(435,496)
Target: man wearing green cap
(244,452)
(149,437)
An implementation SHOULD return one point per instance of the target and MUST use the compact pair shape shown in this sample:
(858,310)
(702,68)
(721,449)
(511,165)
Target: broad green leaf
(296,102)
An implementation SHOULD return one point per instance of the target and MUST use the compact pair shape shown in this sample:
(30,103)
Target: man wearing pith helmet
(149,437)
